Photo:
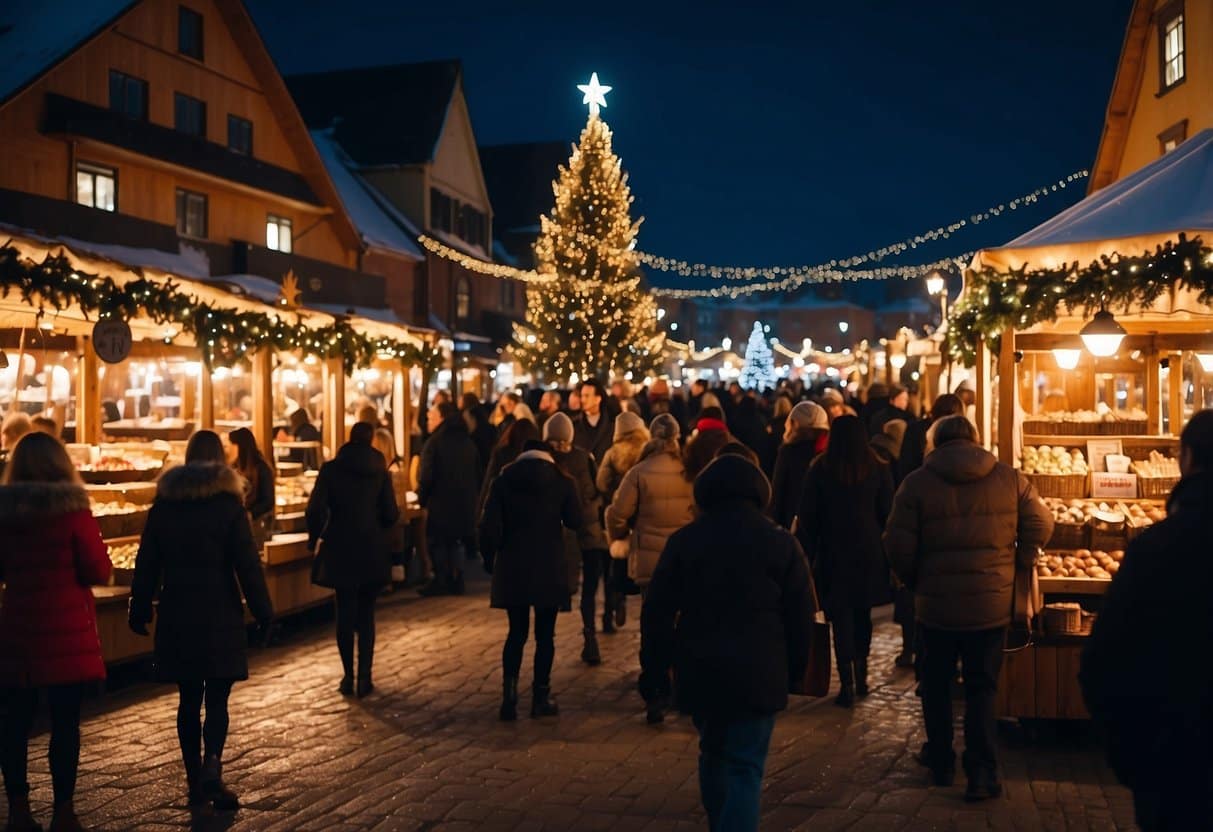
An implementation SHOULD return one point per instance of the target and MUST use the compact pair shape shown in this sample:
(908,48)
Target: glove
(139,628)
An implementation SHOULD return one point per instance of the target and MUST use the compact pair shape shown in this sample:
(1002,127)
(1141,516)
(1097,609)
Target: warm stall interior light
(898,360)
(1103,334)
(1205,359)
(1067,359)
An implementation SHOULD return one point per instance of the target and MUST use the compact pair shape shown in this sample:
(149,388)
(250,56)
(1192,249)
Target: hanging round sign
(112,340)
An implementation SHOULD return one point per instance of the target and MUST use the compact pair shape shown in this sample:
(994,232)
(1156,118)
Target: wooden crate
(286,548)
(1041,682)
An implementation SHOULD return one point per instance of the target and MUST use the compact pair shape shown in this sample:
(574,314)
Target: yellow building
(1163,92)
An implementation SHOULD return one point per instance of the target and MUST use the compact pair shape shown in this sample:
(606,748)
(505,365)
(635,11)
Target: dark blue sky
(770,135)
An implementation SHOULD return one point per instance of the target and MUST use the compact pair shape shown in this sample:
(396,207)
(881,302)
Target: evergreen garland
(994,301)
(220,332)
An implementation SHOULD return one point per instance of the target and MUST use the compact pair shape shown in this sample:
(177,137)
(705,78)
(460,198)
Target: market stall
(130,360)
(1092,341)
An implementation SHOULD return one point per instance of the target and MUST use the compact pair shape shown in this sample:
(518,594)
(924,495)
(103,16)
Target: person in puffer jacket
(52,552)
(960,526)
(654,500)
(631,435)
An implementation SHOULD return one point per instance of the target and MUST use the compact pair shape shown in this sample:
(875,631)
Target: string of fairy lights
(781,278)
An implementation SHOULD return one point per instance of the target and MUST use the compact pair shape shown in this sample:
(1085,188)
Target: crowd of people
(735,517)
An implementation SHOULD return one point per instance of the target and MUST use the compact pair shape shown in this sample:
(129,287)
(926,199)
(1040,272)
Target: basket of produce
(1063,618)
(1156,476)
(1141,516)
(1056,471)
(1069,523)
(1084,564)
(1103,421)
(122,552)
(1041,428)
(1087,623)
(1107,528)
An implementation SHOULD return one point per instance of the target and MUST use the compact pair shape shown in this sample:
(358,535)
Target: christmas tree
(759,370)
(593,317)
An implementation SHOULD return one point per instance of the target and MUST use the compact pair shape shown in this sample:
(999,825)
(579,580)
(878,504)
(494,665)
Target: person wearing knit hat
(887,446)
(631,436)
(625,423)
(806,436)
(833,402)
(665,427)
(587,550)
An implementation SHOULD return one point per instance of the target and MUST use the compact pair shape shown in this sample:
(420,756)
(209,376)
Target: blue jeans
(732,758)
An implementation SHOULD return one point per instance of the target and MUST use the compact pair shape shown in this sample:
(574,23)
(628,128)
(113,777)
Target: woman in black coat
(349,513)
(197,555)
(847,497)
(806,434)
(259,476)
(522,542)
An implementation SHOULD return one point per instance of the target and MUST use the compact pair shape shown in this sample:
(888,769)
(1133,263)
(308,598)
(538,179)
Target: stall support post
(929,388)
(88,393)
(206,399)
(334,405)
(263,401)
(1153,394)
(1175,377)
(1007,384)
(402,413)
(983,385)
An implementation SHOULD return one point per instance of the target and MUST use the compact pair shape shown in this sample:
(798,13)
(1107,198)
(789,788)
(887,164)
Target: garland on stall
(220,332)
(993,301)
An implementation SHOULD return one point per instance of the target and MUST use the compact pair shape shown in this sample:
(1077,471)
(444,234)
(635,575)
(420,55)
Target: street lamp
(726,343)
(1103,334)
(843,326)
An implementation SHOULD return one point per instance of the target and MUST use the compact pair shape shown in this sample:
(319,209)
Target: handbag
(816,681)
(320,568)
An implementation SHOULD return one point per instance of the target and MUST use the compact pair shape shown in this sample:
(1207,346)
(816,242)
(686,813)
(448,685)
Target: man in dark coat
(522,542)
(730,609)
(448,487)
(594,427)
(914,444)
(351,508)
(1145,670)
(961,526)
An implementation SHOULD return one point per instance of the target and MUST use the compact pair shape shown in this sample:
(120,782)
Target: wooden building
(1163,92)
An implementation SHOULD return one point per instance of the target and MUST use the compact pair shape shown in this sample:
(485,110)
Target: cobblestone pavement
(425,751)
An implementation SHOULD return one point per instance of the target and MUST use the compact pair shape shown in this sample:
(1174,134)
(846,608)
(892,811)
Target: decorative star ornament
(595,94)
(289,293)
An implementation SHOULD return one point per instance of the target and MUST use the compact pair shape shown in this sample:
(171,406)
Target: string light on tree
(592,315)
(758,373)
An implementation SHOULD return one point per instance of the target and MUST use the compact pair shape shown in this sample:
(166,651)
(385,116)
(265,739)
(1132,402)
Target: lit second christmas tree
(758,373)
(593,317)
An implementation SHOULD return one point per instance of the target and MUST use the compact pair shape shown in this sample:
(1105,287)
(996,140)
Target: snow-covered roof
(188,261)
(1172,194)
(37,34)
(377,220)
(251,285)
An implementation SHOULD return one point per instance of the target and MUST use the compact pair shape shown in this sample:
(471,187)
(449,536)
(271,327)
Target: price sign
(112,340)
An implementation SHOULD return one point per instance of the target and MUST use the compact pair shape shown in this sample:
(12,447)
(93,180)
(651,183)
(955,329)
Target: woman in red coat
(52,553)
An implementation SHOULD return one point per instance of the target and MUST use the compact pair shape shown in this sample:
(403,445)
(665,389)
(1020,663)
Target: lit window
(463,299)
(1173,136)
(278,233)
(96,187)
(1171,31)
(191,214)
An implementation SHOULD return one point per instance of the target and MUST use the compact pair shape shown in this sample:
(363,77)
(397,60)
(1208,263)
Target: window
(278,233)
(189,32)
(463,299)
(239,135)
(1173,136)
(128,95)
(1171,46)
(509,294)
(96,187)
(191,213)
(474,226)
(440,210)
(189,115)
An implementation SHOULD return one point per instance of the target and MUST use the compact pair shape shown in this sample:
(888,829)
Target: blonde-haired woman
(52,553)
(631,435)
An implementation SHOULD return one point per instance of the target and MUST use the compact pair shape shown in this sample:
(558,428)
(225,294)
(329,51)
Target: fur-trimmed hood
(21,500)
(199,481)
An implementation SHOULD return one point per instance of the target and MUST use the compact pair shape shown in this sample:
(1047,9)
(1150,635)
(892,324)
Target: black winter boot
(193,781)
(983,785)
(621,609)
(846,678)
(221,797)
(509,699)
(861,677)
(542,703)
(20,819)
(589,653)
(64,819)
(608,623)
(346,686)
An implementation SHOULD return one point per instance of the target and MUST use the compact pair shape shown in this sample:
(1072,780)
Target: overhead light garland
(220,332)
(994,301)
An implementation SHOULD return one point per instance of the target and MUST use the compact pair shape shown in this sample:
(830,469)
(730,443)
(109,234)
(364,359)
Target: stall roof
(1172,194)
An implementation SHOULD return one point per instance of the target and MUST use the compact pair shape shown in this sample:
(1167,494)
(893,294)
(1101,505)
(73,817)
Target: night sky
(770,135)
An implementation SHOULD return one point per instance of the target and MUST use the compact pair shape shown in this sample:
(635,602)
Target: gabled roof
(1172,194)
(377,220)
(384,115)
(519,179)
(1123,100)
(37,34)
